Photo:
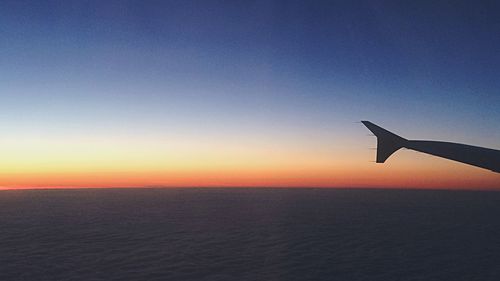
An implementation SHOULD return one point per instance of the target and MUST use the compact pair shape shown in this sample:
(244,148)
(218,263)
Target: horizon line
(5,188)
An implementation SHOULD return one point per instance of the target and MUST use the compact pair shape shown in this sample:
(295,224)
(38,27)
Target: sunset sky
(244,93)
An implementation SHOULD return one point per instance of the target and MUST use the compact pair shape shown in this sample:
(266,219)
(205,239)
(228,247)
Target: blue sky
(258,69)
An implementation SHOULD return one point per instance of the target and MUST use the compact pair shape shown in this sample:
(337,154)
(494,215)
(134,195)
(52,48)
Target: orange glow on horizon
(340,178)
(176,163)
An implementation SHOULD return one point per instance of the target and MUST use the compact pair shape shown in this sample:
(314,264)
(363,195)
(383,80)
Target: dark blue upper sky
(426,67)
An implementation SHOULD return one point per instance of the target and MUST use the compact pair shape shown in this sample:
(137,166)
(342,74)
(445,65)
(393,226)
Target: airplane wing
(388,143)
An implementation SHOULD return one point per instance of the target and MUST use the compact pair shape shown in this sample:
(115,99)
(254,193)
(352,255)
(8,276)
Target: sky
(244,93)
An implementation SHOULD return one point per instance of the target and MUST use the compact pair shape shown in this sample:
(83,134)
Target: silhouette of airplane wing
(388,143)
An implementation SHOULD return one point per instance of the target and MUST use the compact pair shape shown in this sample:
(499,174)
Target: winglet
(387,142)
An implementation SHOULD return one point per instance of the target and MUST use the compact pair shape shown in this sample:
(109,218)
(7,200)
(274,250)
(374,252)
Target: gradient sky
(244,93)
